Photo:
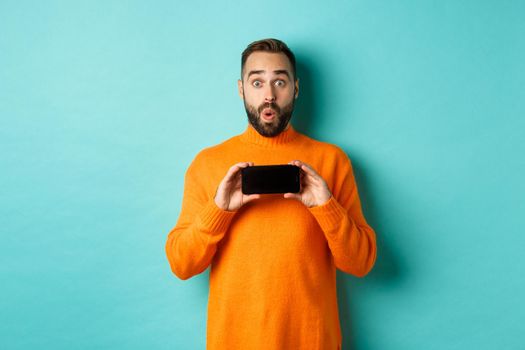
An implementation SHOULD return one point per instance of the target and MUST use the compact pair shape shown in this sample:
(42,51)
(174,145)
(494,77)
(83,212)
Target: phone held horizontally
(264,179)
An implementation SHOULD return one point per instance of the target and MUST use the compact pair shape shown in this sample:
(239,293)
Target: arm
(204,219)
(350,239)
(192,243)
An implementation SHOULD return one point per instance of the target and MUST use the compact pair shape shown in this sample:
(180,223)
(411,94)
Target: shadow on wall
(305,108)
(387,269)
(387,272)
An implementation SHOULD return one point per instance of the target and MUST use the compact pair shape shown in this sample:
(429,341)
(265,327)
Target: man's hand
(314,190)
(229,194)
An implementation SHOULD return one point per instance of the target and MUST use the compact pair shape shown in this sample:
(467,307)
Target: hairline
(291,72)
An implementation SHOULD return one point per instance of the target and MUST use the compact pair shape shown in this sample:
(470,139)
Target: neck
(250,135)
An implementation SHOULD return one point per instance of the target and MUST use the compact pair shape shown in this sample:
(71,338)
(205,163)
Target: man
(273,257)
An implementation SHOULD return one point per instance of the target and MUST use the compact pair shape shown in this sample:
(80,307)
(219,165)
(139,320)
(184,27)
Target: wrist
(220,205)
(324,200)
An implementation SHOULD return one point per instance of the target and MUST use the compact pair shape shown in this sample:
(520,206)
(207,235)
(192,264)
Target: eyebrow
(277,71)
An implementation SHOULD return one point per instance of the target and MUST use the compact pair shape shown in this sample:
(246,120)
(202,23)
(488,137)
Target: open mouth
(268,114)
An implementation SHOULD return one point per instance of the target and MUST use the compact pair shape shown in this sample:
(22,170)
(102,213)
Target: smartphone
(271,179)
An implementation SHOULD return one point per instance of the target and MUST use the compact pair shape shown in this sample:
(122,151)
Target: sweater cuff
(329,215)
(213,219)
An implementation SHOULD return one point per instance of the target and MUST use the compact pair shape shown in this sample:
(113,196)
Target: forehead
(267,61)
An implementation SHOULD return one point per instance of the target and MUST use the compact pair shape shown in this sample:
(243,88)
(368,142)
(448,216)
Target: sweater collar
(251,135)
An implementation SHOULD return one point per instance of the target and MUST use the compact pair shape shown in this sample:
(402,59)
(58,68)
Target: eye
(256,83)
(280,83)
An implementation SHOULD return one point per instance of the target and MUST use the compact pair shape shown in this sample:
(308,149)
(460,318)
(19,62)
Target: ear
(296,88)
(239,86)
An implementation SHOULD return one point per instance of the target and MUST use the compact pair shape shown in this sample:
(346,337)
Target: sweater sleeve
(350,239)
(192,243)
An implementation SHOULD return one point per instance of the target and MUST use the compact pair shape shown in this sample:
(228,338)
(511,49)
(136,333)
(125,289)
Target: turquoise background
(104,104)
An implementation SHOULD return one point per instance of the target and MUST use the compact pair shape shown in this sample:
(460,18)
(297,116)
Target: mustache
(269,105)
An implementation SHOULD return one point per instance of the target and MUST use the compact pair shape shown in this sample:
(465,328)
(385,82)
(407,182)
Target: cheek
(254,99)
(286,97)
(251,101)
(289,92)
(252,96)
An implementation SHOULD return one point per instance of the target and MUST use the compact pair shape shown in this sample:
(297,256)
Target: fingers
(234,169)
(307,168)
(292,196)
(251,197)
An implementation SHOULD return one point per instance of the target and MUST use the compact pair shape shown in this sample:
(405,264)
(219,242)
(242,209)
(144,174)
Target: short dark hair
(268,45)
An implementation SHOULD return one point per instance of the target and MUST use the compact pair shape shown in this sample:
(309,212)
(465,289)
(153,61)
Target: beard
(277,125)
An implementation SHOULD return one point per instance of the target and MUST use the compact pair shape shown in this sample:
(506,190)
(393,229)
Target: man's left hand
(314,190)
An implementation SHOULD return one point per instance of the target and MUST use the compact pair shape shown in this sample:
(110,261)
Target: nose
(269,95)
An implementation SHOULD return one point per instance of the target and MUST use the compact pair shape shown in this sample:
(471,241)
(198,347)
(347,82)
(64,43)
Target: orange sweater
(273,261)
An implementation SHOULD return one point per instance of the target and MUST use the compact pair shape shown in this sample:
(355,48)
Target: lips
(268,114)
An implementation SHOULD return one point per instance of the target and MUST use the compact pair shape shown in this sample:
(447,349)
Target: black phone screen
(270,179)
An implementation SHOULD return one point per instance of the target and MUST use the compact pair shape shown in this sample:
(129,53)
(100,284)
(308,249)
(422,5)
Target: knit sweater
(273,261)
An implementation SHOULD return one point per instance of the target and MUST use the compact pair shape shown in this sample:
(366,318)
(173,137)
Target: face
(268,91)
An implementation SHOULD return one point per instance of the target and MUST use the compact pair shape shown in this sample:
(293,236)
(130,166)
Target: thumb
(251,197)
(292,196)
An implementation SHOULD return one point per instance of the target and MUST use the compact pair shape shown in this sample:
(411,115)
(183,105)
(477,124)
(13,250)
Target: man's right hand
(229,194)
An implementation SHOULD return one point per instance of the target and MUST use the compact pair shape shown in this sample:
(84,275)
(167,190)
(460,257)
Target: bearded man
(273,257)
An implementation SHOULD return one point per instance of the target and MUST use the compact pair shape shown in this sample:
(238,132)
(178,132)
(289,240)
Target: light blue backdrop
(104,104)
